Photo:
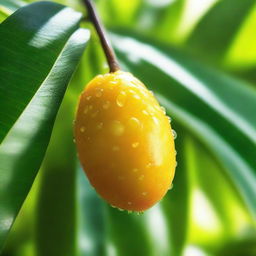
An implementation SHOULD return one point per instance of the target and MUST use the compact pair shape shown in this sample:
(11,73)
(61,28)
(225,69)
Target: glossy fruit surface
(124,141)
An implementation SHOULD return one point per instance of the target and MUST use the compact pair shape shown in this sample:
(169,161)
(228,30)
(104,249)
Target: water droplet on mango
(99,92)
(134,123)
(121,99)
(174,134)
(135,144)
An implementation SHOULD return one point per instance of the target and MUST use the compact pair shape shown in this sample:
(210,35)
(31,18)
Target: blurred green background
(199,58)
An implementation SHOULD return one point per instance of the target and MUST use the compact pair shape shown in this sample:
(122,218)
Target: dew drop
(113,206)
(136,96)
(116,128)
(129,212)
(134,123)
(129,203)
(169,119)
(135,144)
(88,97)
(120,209)
(82,129)
(144,193)
(99,92)
(141,177)
(145,112)
(74,140)
(132,91)
(113,82)
(121,99)
(156,121)
(106,105)
(163,110)
(151,92)
(174,134)
(171,187)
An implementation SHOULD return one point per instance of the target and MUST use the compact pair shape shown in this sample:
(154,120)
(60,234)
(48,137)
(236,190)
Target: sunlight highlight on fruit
(125,141)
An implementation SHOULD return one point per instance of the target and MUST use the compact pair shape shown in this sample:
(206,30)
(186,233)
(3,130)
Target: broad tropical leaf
(40,47)
(216,31)
(92,219)
(217,109)
(11,5)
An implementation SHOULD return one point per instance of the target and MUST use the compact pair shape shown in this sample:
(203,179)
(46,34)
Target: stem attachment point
(108,50)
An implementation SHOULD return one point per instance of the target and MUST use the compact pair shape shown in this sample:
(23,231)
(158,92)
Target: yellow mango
(124,141)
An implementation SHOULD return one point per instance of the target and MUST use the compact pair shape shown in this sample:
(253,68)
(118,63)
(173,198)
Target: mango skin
(124,141)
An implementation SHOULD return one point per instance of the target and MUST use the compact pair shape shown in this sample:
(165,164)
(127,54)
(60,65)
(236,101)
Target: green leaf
(217,29)
(242,51)
(217,109)
(176,204)
(241,247)
(40,47)
(217,212)
(124,230)
(56,198)
(10,6)
(92,219)
(152,18)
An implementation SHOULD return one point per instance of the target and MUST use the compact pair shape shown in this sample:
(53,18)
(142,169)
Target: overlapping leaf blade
(40,47)
(216,31)
(92,221)
(11,5)
(216,108)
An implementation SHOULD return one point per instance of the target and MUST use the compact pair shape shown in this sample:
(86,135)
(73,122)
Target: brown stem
(109,52)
